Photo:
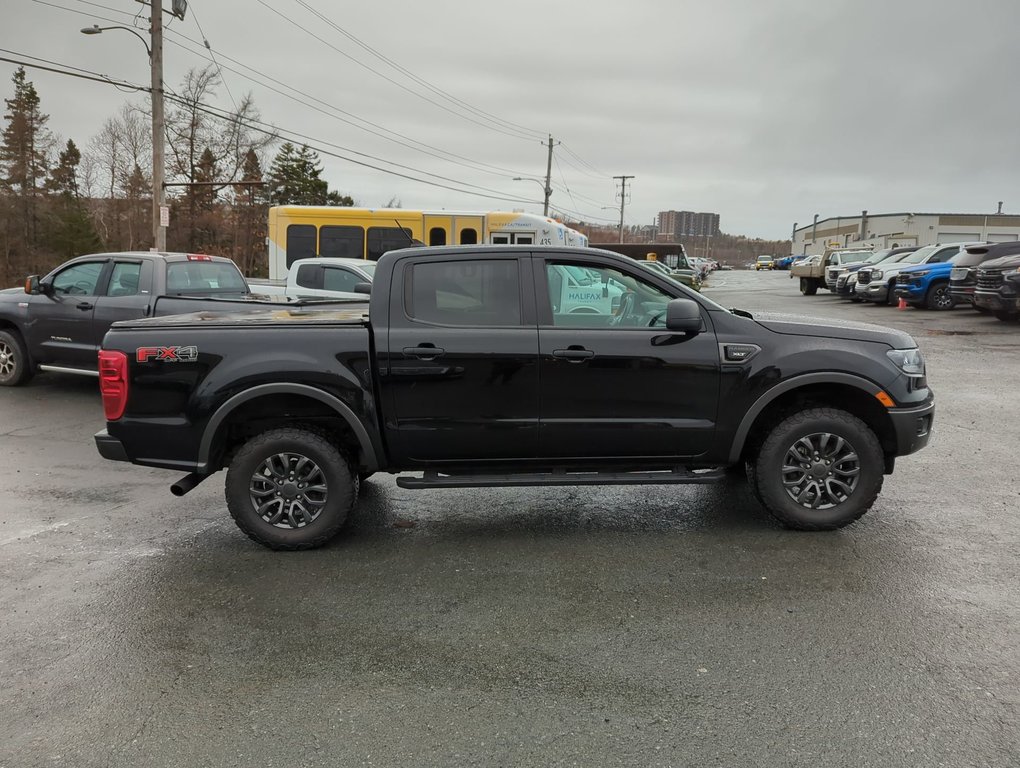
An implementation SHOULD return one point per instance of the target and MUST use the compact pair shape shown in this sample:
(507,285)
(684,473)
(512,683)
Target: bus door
(438,230)
(469,229)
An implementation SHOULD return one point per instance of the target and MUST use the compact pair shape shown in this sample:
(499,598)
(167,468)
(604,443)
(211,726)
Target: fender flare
(759,405)
(370,458)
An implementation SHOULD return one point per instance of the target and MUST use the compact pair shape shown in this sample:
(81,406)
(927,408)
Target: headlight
(908,360)
(876,274)
(922,273)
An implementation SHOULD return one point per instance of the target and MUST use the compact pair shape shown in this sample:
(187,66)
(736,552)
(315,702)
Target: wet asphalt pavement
(543,627)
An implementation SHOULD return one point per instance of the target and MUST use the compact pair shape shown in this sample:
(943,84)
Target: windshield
(764,258)
(207,277)
(920,254)
(878,256)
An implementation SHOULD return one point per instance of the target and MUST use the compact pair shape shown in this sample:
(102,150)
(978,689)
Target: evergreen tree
(294,177)
(70,231)
(250,209)
(24,151)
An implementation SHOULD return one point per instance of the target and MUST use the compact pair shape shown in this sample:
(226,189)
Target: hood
(799,325)
(1004,262)
(939,265)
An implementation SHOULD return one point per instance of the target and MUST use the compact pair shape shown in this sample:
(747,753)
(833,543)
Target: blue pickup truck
(927,285)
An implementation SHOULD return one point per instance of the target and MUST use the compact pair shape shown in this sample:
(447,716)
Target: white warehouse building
(889,230)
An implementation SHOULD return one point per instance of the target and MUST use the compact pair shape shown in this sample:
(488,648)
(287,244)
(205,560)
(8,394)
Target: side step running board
(678,476)
(65,369)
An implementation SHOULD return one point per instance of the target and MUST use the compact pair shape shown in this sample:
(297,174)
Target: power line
(212,55)
(408,73)
(516,135)
(581,160)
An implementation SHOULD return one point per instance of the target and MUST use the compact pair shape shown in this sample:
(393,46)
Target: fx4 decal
(167,354)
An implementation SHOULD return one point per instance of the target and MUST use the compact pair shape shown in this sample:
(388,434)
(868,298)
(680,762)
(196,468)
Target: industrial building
(888,230)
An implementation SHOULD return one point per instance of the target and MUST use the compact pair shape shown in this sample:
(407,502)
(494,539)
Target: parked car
(847,280)
(963,277)
(764,262)
(57,322)
(328,277)
(927,285)
(465,373)
(998,287)
(784,262)
(876,283)
(686,276)
(845,259)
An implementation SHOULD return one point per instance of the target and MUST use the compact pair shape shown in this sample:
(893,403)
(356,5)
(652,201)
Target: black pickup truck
(57,322)
(471,366)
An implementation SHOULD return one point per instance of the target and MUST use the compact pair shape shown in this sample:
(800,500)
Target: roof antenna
(412,243)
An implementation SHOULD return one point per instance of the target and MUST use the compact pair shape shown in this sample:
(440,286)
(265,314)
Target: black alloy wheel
(939,298)
(821,470)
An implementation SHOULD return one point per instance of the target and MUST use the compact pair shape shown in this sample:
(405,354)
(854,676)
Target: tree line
(59,200)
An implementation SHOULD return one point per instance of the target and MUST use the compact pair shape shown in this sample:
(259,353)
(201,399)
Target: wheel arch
(261,404)
(848,392)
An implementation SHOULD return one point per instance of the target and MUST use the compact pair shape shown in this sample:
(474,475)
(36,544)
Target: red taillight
(199,257)
(113,382)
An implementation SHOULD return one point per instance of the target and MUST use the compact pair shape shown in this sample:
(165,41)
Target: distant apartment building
(673,224)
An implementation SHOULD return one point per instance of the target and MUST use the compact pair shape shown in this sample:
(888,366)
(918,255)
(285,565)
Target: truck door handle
(574,353)
(83,305)
(424,351)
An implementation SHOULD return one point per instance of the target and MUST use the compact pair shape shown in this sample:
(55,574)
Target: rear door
(617,384)
(127,295)
(460,375)
(60,325)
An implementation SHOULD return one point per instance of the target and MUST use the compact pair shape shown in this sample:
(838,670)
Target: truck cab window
(472,293)
(593,296)
(79,280)
(309,276)
(340,279)
(125,278)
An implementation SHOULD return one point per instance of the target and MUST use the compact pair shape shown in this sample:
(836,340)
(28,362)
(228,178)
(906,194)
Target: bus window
(524,239)
(382,239)
(500,239)
(437,236)
(342,242)
(469,236)
(300,242)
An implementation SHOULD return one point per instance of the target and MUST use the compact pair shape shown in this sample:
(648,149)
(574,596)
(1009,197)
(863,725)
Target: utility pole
(548,176)
(158,159)
(623,199)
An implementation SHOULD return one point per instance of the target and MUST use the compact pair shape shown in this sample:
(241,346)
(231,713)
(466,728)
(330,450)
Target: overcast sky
(764,111)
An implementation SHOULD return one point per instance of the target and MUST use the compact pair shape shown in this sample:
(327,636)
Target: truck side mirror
(683,315)
(365,288)
(35,285)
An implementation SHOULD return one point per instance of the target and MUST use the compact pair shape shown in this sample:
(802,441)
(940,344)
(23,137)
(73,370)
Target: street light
(155,53)
(545,188)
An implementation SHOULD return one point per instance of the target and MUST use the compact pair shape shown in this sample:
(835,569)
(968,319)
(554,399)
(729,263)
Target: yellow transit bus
(306,231)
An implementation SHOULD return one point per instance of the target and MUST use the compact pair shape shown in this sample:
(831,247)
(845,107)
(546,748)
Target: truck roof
(168,256)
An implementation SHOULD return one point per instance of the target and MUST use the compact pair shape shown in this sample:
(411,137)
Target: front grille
(902,279)
(841,281)
(864,277)
(989,280)
(959,274)
(833,274)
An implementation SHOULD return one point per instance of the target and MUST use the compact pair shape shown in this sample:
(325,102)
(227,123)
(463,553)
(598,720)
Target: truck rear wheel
(15,367)
(290,489)
(818,470)
(808,286)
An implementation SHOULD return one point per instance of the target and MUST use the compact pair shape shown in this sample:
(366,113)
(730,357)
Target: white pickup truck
(323,277)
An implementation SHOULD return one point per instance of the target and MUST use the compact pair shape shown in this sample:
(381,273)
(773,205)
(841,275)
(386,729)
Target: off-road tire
(808,287)
(340,480)
(935,298)
(17,368)
(767,479)
(891,299)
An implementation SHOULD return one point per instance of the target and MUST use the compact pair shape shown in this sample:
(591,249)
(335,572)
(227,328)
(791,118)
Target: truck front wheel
(818,470)
(939,297)
(15,367)
(290,489)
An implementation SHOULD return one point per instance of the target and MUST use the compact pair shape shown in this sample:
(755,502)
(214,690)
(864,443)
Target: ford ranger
(466,370)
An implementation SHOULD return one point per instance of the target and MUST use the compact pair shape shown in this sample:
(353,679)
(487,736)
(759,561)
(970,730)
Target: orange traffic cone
(902,303)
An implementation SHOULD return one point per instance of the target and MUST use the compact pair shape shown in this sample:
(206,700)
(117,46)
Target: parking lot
(591,626)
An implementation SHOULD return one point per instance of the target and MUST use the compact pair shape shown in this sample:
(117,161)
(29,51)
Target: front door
(460,376)
(615,382)
(60,324)
(127,295)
